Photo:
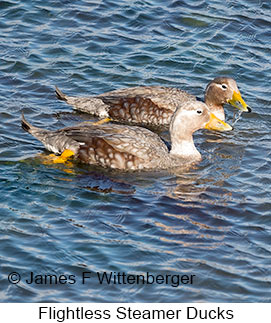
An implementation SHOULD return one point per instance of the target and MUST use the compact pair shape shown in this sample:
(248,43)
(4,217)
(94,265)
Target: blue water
(212,221)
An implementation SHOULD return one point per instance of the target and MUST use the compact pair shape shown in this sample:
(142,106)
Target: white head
(187,119)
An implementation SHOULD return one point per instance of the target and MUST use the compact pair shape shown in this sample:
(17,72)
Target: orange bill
(216,124)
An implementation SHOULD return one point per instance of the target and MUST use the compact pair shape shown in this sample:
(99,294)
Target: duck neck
(183,146)
(216,109)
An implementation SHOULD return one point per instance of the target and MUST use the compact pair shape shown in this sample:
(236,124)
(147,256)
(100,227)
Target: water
(212,220)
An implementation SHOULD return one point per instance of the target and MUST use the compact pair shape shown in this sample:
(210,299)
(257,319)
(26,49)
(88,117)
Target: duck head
(193,116)
(187,119)
(223,90)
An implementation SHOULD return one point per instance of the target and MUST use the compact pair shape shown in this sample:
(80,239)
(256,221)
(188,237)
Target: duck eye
(224,86)
(199,111)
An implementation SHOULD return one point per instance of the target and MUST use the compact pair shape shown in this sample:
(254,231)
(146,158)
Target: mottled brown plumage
(155,105)
(131,147)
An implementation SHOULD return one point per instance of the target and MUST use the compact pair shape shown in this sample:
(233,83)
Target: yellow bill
(238,102)
(216,124)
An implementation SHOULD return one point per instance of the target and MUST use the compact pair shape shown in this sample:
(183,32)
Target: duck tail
(34,131)
(60,95)
(26,125)
(55,141)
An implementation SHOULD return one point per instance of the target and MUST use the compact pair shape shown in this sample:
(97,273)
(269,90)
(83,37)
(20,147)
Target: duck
(155,105)
(129,147)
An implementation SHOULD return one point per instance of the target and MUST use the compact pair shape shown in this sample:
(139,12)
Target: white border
(242,312)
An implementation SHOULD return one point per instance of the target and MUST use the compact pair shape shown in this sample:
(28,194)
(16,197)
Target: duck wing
(117,146)
(152,105)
